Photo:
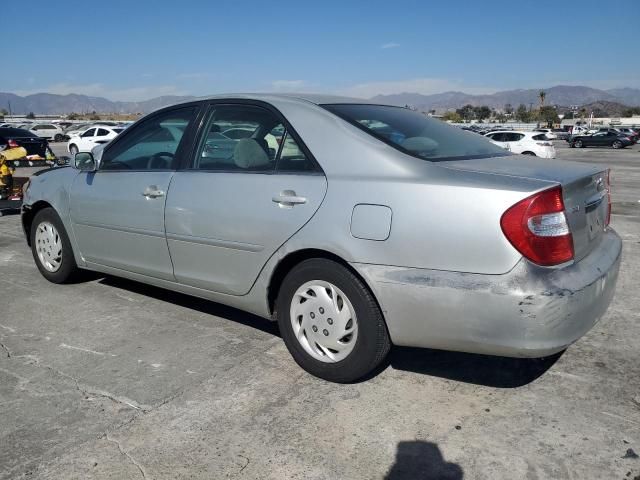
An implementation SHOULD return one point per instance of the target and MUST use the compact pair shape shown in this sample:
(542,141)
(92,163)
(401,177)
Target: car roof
(318,99)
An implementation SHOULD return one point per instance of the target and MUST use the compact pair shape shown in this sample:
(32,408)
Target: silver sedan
(355,226)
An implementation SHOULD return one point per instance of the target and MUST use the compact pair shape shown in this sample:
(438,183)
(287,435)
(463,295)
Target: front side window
(152,144)
(89,133)
(102,132)
(416,134)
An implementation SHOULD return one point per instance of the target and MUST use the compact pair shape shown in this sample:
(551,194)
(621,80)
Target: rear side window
(102,132)
(540,137)
(416,134)
(248,138)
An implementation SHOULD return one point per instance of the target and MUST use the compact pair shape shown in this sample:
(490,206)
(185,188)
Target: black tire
(617,144)
(73,149)
(58,138)
(68,270)
(578,144)
(529,153)
(372,343)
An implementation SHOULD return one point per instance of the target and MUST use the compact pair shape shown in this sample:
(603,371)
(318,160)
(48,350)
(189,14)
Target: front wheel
(617,144)
(51,248)
(58,138)
(578,144)
(330,321)
(73,149)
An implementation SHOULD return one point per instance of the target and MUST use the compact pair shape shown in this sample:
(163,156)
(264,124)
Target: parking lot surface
(115,379)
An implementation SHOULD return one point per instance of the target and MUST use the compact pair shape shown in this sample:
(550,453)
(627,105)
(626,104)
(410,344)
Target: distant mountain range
(561,95)
(52,104)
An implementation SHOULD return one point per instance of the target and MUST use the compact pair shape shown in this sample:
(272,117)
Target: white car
(48,131)
(548,132)
(526,143)
(98,135)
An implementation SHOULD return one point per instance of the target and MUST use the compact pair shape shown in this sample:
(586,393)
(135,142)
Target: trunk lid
(584,190)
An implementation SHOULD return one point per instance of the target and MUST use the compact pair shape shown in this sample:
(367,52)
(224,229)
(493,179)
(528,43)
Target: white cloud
(282,85)
(424,86)
(390,45)
(100,90)
(193,76)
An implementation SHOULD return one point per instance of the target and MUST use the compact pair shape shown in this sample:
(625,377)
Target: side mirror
(85,162)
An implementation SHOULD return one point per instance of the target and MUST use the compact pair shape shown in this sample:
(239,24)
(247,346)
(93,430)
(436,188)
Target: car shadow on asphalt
(420,460)
(491,371)
(193,303)
(487,370)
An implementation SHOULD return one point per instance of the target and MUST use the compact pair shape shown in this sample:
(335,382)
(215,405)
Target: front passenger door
(117,213)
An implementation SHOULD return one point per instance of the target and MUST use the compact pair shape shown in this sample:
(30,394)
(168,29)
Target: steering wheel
(160,155)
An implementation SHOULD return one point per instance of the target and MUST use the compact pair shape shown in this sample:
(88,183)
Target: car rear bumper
(531,311)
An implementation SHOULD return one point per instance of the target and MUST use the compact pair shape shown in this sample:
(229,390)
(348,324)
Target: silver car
(355,226)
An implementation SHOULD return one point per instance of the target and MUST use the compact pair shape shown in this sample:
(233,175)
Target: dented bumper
(531,311)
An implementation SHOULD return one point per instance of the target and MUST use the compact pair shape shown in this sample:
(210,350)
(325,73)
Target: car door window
(499,137)
(291,158)
(102,132)
(150,145)
(89,133)
(239,138)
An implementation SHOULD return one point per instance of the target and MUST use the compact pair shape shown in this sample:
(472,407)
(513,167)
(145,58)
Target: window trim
(210,105)
(180,152)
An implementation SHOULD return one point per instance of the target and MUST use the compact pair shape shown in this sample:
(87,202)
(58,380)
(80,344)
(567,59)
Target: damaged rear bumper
(531,311)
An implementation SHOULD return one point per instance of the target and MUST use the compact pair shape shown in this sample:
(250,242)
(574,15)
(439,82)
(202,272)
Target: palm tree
(541,95)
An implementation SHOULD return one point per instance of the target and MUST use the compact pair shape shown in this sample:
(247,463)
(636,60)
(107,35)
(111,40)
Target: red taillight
(12,143)
(537,227)
(608,187)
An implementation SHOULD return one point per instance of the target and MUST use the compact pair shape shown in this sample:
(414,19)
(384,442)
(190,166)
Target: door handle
(288,199)
(152,191)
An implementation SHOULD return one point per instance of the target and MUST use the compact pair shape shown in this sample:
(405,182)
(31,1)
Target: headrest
(248,154)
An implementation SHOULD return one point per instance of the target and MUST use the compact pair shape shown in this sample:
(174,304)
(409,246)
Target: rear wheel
(73,149)
(529,153)
(58,138)
(578,144)
(51,247)
(330,321)
(617,144)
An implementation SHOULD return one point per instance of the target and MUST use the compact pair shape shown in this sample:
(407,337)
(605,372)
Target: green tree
(452,117)
(548,115)
(4,111)
(542,95)
(31,115)
(522,114)
(72,116)
(467,112)
(568,116)
(482,112)
(508,109)
(630,112)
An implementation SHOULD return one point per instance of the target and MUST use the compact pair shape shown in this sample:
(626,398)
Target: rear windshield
(15,133)
(416,134)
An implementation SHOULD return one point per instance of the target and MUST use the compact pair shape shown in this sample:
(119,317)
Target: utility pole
(9,103)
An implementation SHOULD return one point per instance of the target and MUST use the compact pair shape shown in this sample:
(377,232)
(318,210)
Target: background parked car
(630,132)
(526,143)
(92,137)
(48,131)
(548,132)
(17,137)
(601,139)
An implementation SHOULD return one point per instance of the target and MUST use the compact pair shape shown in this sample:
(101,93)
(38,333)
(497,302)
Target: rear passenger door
(239,199)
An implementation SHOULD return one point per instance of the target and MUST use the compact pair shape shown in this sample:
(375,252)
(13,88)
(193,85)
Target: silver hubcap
(324,321)
(49,246)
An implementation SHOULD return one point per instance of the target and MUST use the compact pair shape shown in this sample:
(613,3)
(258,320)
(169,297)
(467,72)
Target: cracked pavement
(114,379)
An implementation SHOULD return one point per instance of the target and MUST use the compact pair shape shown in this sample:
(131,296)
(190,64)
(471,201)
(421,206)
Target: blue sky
(138,49)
